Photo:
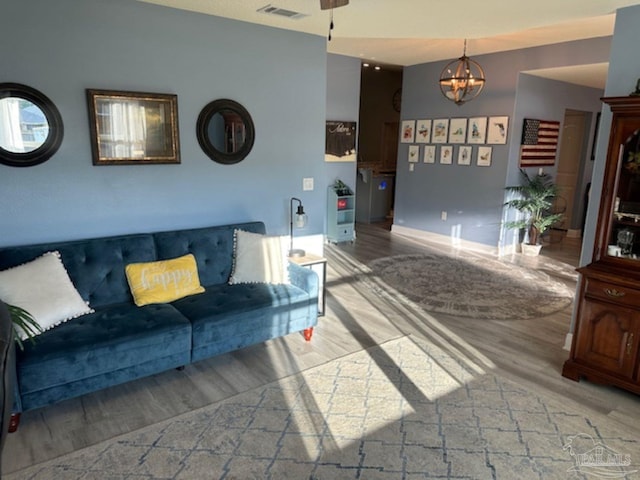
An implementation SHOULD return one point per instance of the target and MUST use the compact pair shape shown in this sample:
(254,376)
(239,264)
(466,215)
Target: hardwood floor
(529,352)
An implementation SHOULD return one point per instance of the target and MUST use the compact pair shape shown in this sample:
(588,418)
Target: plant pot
(530,250)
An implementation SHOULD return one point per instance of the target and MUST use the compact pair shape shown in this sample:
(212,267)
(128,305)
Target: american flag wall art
(539,143)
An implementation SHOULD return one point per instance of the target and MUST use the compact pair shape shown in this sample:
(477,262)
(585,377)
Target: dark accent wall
(376,109)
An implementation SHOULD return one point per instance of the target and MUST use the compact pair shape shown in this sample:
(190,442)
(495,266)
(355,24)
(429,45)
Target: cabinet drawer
(344,232)
(613,293)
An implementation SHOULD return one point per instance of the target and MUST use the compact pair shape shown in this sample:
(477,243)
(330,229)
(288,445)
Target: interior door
(389,146)
(570,158)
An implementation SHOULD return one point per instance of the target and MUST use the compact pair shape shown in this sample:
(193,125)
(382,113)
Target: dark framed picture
(131,128)
(340,141)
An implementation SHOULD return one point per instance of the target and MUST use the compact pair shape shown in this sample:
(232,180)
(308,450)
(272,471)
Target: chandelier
(462,79)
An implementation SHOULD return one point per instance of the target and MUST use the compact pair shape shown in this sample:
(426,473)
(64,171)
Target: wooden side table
(310,260)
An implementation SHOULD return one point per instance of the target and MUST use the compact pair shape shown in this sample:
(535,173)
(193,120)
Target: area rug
(401,410)
(470,286)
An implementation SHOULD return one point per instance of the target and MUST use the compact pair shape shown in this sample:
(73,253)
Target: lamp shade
(297,220)
(300,219)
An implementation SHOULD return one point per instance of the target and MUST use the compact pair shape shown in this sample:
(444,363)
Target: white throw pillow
(258,259)
(43,288)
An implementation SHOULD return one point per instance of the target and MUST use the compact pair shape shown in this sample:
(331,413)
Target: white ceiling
(408,32)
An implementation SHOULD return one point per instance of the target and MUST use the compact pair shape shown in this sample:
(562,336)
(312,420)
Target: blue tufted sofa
(122,342)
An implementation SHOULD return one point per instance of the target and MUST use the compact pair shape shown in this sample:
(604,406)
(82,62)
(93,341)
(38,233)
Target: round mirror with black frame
(225,131)
(31,127)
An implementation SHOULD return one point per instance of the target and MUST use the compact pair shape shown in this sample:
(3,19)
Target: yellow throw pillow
(163,281)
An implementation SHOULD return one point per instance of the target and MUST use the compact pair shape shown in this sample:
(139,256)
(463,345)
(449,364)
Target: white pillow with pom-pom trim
(43,288)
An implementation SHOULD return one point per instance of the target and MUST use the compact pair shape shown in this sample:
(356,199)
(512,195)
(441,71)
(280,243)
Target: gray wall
(63,47)
(473,196)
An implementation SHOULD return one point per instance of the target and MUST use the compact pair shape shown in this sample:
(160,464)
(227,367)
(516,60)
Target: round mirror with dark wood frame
(225,131)
(31,127)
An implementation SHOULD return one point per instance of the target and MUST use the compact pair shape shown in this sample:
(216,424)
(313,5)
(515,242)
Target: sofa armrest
(305,278)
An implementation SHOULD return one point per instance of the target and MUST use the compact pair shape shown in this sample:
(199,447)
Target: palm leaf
(23,322)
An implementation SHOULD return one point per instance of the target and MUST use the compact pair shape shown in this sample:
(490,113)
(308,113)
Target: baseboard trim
(568,340)
(444,240)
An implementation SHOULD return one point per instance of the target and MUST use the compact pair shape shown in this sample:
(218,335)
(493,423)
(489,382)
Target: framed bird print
(408,131)
(457,130)
(484,157)
(477,132)
(423,131)
(429,154)
(497,130)
(414,153)
(464,155)
(440,130)
(446,155)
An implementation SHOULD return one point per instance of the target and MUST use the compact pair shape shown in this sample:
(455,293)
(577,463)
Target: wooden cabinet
(607,339)
(606,346)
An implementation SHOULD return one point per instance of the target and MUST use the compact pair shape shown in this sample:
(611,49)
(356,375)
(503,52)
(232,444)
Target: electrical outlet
(307,184)
(443,215)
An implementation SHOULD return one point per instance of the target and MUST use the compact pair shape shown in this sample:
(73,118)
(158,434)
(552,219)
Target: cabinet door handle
(629,344)
(612,292)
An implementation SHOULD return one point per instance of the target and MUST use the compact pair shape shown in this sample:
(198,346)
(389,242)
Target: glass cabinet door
(624,239)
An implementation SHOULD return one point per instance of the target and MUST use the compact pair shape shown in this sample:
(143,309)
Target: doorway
(379,115)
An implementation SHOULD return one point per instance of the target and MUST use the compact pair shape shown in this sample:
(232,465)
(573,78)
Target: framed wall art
(423,131)
(440,130)
(414,153)
(464,155)
(446,155)
(477,132)
(429,154)
(340,141)
(497,130)
(484,157)
(407,131)
(131,128)
(539,143)
(457,130)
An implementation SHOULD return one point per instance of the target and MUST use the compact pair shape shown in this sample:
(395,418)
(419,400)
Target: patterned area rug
(492,289)
(401,410)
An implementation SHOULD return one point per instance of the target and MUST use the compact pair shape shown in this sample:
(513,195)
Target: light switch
(307,184)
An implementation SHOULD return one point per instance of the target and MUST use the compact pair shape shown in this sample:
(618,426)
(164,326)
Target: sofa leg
(180,368)
(14,421)
(307,332)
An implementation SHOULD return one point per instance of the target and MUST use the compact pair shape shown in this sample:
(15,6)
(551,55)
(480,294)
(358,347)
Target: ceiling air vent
(281,12)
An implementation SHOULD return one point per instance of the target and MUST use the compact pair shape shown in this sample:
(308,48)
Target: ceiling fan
(330,4)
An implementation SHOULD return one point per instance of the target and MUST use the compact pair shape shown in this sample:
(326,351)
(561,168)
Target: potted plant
(341,188)
(534,199)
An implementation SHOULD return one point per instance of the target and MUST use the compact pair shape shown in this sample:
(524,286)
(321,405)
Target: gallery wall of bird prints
(463,141)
